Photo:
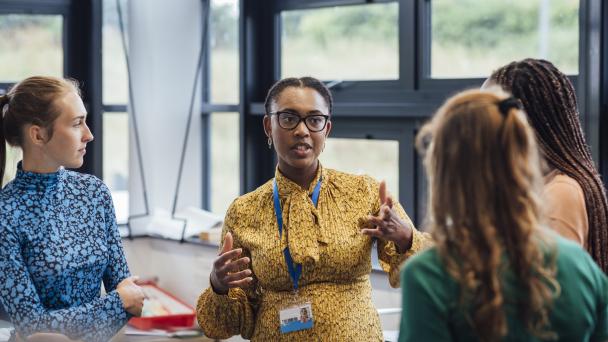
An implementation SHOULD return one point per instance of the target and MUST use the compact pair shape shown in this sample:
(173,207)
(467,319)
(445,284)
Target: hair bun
(507,104)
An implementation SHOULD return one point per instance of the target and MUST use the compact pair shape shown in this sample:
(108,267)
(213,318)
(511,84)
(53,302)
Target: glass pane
(471,38)
(30,45)
(116,161)
(383,164)
(341,43)
(115,76)
(225,174)
(224,43)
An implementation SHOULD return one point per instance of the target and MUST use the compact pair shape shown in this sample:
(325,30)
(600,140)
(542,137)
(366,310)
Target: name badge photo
(296,318)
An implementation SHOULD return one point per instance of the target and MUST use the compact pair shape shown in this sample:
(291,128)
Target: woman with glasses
(303,240)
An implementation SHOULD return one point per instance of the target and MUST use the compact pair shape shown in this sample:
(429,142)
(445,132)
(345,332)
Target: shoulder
(86,182)
(572,260)
(564,186)
(248,204)
(423,267)
(350,182)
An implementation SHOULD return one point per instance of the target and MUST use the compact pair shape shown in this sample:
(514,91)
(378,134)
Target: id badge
(296,317)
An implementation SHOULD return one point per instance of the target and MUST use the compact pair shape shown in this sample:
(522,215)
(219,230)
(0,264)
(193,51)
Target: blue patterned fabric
(58,242)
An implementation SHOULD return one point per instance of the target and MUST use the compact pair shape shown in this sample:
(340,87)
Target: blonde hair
(485,180)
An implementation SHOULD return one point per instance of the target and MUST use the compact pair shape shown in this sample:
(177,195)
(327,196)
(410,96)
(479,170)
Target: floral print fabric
(59,241)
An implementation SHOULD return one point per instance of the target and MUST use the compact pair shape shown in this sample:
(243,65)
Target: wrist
(123,298)
(405,242)
(214,287)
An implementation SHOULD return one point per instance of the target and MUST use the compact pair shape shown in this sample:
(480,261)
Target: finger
(385,213)
(377,222)
(382,192)
(241,283)
(226,257)
(372,232)
(232,277)
(236,265)
(227,246)
(365,223)
(389,201)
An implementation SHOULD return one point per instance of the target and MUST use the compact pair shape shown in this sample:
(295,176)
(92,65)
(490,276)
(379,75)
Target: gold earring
(269,143)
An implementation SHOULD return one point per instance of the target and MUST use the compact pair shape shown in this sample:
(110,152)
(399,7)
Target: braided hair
(550,102)
(302,82)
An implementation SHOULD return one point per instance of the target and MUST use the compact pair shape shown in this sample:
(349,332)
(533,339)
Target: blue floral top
(58,241)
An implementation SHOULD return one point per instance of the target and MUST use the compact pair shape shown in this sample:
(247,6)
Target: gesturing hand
(225,273)
(387,224)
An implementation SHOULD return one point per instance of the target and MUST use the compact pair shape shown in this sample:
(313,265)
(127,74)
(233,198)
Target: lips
(301,149)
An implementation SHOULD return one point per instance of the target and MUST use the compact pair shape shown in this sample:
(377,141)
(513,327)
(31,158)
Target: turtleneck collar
(287,186)
(37,181)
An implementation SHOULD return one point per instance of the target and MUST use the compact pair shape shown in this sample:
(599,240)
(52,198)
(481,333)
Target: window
(471,38)
(221,117)
(30,45)
(381,159)
(224,45)
(341,43)
(115,118)
(116,161)
(115,77)
(225,186)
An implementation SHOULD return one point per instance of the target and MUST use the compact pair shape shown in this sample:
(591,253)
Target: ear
(37,135)
(328,128)
(267,126)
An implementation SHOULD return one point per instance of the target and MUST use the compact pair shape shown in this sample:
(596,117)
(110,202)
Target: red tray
(166,321)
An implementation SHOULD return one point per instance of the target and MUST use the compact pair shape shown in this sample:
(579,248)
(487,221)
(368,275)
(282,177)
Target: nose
(87,136)
(301,129)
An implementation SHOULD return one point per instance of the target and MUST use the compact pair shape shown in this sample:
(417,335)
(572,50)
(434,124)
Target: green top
(431,311)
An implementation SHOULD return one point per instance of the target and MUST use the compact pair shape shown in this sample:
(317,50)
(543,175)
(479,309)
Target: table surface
(121,337)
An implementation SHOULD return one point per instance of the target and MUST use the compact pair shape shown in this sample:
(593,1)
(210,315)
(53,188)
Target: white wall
(164,42)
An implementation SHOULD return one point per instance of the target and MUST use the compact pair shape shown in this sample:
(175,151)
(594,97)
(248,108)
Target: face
(297,148)
(71,134)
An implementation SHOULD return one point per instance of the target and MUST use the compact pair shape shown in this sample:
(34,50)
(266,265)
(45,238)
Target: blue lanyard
(295,271)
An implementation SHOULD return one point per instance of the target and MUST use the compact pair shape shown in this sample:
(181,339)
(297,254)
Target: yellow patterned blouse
(336,261)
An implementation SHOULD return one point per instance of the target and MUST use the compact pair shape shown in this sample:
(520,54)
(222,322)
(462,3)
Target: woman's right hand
(225,273)
(132,295)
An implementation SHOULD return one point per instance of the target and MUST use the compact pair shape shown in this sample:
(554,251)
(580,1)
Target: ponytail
(3,103)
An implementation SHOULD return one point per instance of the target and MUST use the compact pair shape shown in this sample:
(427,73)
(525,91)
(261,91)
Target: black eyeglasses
(289,120)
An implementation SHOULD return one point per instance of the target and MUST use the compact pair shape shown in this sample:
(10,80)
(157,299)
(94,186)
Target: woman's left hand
(388,225)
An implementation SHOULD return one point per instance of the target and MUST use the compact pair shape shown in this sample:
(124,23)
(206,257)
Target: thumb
(382,192)
(227,243)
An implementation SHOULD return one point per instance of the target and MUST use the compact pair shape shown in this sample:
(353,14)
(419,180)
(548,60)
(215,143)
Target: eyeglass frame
(300,119)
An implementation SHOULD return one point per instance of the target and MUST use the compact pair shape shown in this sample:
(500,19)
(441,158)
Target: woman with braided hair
(576,198)
(495,272)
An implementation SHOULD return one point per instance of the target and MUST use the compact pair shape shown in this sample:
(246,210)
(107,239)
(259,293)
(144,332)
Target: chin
(302,163)
(73,164)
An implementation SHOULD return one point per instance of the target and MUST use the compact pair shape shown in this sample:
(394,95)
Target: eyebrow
(79,117)
(314,111)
